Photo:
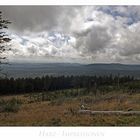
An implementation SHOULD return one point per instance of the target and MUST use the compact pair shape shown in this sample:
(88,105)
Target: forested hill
(57,69)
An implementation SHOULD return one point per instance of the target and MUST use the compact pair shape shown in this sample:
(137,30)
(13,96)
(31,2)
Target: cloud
(110,37)
(130,42)
(96,34)
(44,47)
(36,18)
(75,33)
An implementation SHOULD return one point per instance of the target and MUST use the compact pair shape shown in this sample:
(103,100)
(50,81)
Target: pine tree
(4,40)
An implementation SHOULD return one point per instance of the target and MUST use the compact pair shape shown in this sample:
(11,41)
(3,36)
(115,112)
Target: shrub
(55,122)
(87,100)
(12,105)
(57,102)
(72,111)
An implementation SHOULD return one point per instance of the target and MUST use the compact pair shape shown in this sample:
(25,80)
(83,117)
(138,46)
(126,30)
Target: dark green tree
(4,40)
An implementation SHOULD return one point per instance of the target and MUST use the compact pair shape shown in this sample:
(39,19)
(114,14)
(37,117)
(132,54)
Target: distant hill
(57,69)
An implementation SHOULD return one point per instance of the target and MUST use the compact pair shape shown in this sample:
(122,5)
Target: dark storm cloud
(33,18)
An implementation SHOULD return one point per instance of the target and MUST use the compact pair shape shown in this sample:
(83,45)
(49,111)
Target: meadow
(60,108)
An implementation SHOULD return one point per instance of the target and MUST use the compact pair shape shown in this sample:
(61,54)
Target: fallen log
(90,112)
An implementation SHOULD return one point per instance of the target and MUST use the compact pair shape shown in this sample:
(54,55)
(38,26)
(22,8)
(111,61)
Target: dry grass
(64,112)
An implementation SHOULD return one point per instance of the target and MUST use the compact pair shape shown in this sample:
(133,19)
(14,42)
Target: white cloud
(79,34)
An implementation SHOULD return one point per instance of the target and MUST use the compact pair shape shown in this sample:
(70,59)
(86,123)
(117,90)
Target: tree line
(50,83)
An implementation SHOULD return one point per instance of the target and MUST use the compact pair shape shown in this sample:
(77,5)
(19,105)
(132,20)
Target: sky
(74,34)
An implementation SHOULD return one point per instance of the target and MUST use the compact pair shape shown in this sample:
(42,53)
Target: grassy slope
(63,111)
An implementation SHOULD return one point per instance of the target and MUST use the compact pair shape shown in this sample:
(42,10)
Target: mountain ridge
(57,69)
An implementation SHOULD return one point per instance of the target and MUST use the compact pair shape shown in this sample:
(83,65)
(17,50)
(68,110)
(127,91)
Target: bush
(72,111)
(55,122)
(87,100)
(57,102)
(12,105)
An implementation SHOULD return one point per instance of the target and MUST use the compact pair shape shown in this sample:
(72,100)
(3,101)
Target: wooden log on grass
(109,112)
